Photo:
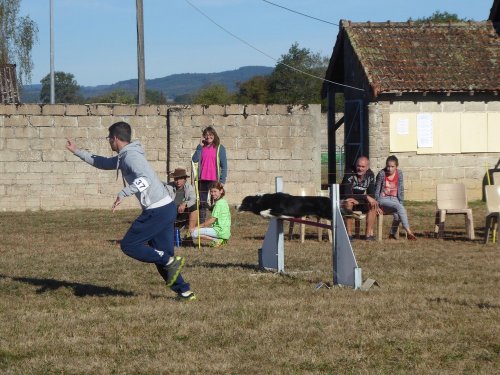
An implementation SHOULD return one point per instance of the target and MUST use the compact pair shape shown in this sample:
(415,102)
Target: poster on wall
(403,126)
(403,132)
(424,130)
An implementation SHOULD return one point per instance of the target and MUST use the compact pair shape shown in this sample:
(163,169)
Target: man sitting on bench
(357,193)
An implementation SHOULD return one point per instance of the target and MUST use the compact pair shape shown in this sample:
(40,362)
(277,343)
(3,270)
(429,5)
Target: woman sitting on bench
(389,193)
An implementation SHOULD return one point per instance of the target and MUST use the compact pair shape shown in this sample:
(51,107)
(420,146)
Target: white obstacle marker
(272,253)
(345,268)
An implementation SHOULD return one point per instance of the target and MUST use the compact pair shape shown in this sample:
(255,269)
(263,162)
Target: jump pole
(272,253)
(345,268)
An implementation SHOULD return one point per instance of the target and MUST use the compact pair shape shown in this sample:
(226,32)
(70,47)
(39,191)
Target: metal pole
(332,162)
(281,239)
(52,78)
(334,197)
(141,95)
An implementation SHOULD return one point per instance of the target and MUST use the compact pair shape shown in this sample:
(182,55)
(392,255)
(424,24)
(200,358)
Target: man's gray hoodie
(140,177)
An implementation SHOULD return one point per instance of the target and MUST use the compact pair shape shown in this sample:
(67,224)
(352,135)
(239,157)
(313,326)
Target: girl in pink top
(212,165)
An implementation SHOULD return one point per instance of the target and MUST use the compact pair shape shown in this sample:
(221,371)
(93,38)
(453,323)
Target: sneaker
(189,297)
(174,269)
(345,211)
(370,238)
(351,238)
(392,236)
(411,237)
(217,243)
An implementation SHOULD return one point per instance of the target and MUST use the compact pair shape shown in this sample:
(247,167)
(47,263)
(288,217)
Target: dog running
(283,206)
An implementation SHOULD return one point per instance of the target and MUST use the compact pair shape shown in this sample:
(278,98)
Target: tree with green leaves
(297,78)
(123,96)
(66,88)
(184,99)
(17,36)
(116,96)
(440,17)
(213,94)
(253,91)
(155,97)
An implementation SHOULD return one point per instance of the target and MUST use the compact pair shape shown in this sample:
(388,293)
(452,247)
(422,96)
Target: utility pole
(141,79)
(52,79)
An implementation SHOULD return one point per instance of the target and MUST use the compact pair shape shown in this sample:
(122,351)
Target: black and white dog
(281,205)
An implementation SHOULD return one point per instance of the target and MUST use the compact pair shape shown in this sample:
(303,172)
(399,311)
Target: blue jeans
(203,191)
(392,205)
(150,239)
(209,232)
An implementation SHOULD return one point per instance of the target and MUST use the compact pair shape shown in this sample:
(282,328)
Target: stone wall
(424,172)
(262,142)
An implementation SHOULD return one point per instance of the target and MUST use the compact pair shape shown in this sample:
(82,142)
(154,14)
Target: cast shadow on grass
(453,236)
(79,290)
(253,237)
(252,267)
(480,305)
(293,275)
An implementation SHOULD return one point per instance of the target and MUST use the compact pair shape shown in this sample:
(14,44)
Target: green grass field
(72,303)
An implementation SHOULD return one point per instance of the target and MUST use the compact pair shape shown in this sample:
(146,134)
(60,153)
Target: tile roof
(424,57)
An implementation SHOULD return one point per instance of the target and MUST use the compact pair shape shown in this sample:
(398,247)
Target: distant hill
(171,86)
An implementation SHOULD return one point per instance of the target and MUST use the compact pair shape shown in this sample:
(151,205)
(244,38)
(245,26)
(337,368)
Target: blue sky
(95,40)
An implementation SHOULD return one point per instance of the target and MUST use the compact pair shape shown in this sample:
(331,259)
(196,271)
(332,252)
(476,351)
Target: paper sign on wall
(403,126)
(424,130)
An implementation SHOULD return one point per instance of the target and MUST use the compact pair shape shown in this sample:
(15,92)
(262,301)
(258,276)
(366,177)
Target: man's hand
(350,202)
(181,208)
(118,201)
(373,203)
(70,145)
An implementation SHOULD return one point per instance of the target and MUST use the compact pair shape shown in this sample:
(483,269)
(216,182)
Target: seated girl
(389,193)
(218,227)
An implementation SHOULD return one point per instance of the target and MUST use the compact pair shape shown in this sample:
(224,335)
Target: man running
(150,237)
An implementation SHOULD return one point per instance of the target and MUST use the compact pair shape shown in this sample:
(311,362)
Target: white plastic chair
(492,193)
(496,178)
(451,199)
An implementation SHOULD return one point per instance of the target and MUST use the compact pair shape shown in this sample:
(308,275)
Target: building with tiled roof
(495,12)
(428,93)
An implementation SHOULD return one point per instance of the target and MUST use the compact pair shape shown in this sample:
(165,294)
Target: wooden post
(141,78)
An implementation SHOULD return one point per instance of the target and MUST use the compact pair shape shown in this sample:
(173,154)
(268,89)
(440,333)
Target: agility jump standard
(345,268)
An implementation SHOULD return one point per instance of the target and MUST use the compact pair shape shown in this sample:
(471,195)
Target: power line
(302,14)
(265,54)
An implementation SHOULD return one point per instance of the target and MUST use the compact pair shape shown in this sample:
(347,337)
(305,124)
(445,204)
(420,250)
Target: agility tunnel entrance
(345,268)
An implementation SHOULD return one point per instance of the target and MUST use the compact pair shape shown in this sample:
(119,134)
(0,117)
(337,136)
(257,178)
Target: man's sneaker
(370,238)
(411,236)
(174,269)
(186,296)
(217,243)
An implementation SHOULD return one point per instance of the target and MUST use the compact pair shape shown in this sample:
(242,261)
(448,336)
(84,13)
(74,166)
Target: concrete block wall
(424,172)
(262,142)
